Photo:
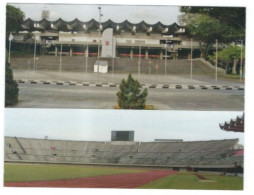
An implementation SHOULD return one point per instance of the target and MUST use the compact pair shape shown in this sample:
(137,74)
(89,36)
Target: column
(131,53)
(56,50)
(146,53)
(70,51)
(161,54)
(116,52)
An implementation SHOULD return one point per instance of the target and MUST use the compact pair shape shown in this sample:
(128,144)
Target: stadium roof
(236,125)
(93,25)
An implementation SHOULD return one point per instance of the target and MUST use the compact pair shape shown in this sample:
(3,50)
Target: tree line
(224,24)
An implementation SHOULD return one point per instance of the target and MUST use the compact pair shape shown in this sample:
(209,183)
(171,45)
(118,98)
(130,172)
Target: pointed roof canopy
(236,125)
(77,25)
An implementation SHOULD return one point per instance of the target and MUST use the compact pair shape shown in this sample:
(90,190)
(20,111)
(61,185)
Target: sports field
(53,175)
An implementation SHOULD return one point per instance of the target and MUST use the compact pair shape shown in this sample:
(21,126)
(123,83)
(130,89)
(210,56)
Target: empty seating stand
(216,153)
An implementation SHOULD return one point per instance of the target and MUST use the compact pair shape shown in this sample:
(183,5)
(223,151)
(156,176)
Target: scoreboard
(122,135)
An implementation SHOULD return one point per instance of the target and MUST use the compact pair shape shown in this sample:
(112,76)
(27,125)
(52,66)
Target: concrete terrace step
(157,86)
(120,64)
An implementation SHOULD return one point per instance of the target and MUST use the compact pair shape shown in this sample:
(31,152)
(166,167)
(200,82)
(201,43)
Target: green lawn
(36,172)
(181,180)
(188,180)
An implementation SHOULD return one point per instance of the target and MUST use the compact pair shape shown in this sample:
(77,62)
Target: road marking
(155,86)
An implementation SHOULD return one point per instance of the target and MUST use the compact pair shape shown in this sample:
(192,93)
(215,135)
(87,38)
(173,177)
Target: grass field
(180,180)
(37,172)
(188,180)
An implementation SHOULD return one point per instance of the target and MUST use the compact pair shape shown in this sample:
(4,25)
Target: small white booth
(103,66)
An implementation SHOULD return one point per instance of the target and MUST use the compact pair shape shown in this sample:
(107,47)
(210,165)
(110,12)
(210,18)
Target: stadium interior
(215,155)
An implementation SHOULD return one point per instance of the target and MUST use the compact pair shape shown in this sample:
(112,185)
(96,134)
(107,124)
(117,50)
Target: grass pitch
(39,172)
(188,180)
(181,180)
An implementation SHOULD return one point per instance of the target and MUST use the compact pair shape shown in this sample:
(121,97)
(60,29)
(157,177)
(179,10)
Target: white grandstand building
(125,39)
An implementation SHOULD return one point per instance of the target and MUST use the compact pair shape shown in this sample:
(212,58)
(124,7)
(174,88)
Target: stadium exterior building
(125,39)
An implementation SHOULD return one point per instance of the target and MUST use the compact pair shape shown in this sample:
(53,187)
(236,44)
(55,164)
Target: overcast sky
(96,125)
(117,13)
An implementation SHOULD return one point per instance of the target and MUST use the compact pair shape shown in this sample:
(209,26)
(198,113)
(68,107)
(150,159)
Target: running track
(131,180)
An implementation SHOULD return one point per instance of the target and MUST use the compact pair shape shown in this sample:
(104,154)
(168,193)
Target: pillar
(189,56)
(56,50)
(86,51)
(146,53)
(161,54)
(70,51)
(131,53)
(117,53)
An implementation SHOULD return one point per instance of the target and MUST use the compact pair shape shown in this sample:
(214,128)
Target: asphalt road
(89,97)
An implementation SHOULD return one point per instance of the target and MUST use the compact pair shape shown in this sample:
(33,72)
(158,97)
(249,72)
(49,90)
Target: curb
(154,86)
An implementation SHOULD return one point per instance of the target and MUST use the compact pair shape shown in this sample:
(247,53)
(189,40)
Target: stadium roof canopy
(236,125)
(93,25)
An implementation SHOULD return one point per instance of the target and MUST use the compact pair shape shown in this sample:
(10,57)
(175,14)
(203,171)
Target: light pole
(191,61)
(139,60)
(149,67)
(34,51)
(241,62)
(216,60)
(100,15)
(87,52)
(113,57)
(60,63)
(9,56)
(166,51)
(166,55)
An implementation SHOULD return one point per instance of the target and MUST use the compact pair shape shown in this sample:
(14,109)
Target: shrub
(11,87)
(130,95)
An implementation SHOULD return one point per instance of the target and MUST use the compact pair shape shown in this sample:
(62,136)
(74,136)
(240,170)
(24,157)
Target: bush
(11,87)
(130,95)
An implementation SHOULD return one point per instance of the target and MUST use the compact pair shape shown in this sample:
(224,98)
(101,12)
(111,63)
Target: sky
(96,125)
(117,13)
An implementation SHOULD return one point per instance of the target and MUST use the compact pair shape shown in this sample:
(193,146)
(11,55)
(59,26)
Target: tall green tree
(229,58)
(14,18)
(206,24)
(130,95)
(233,17)
(203,29)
